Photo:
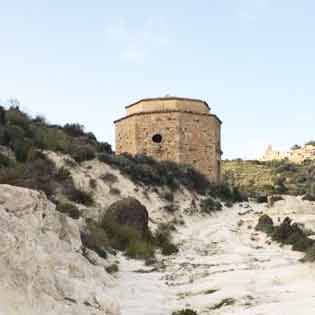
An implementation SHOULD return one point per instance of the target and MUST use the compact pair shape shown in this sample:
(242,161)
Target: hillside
(84,231)
(280,177)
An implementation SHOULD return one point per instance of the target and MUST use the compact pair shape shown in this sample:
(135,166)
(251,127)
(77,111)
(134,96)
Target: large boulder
(130,212)
(42,269)
(265,224)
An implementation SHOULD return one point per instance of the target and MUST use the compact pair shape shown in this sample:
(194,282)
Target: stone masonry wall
(126,136)
(200,143)
(190,138)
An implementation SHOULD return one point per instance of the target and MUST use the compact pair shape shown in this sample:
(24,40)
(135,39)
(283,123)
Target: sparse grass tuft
(69,209)
(185,312)
(223,303)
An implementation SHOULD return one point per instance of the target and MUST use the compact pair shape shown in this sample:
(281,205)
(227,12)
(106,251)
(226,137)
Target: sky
(84,61)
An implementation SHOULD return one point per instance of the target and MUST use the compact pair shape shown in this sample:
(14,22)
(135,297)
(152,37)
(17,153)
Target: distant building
(296,154)
(175,129)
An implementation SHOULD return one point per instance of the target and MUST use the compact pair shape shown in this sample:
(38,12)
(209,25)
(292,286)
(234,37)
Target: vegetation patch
(223,303)
(185,312)
(112,269)
(273,177)
(210,205)
(69,209)
(288,233)
(95,239)
(162,240)
(80,196)
(211,291)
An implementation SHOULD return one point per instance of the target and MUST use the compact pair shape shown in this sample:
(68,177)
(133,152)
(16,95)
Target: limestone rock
(131,212)
(265,224)
(42,269)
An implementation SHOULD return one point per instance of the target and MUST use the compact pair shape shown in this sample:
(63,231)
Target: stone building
(297,154)
(175,129)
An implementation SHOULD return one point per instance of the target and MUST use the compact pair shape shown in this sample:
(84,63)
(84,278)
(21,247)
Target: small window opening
(157,138)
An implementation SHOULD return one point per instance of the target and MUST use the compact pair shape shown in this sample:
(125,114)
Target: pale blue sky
(83,61)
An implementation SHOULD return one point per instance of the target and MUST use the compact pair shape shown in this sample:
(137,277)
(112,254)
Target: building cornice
(168,111)
(169,98)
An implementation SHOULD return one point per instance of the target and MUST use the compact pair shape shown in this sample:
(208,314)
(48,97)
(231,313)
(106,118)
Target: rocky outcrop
(129,211)
(265,224)
(42,269)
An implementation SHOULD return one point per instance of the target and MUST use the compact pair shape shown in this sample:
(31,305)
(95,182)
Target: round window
(157,138)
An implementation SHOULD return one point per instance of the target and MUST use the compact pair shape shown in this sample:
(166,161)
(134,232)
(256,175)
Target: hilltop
(271,177)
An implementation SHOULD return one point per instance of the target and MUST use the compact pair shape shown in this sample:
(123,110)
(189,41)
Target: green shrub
(95,239)
(140,249)
(112,269)
(82,153)
(223,303)
(162,240)
(114,191)
(74,130)
(210,205)
(148,171)
(185,312)
(286,233)
(310,255)
(63,174)
(168,196)
(2,116)
(120,236)
(93,183)
(104,147)
(309,197)
(5,161)
(109,178)
(82,197)
(69,209)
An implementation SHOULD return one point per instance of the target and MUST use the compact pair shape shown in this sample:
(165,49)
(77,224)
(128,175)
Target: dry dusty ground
(225,267)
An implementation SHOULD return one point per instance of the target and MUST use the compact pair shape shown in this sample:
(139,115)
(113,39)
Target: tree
(312,142)
(296,147)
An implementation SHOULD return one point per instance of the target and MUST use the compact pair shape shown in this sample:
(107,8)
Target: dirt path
(222,268)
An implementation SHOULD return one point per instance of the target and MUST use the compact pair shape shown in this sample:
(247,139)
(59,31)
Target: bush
(5,161)
(114,191)
(120,236)
(210,205)
(287,233)
(185,312)
(93,183)
(80,196)
(104,147)
(63,174)
(162,240)
(109,178)
(168,196)
(112,269)
(82,153)
(309,197)
(148,171)
(69,209)
(95,239)
(140,249)
(310,255)
(74,130)
(223,303)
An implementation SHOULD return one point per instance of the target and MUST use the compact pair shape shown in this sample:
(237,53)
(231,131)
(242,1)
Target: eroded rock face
(131,212)
(42,270)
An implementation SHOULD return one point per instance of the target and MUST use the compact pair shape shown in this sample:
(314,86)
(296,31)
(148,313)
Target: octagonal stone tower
(172,128)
